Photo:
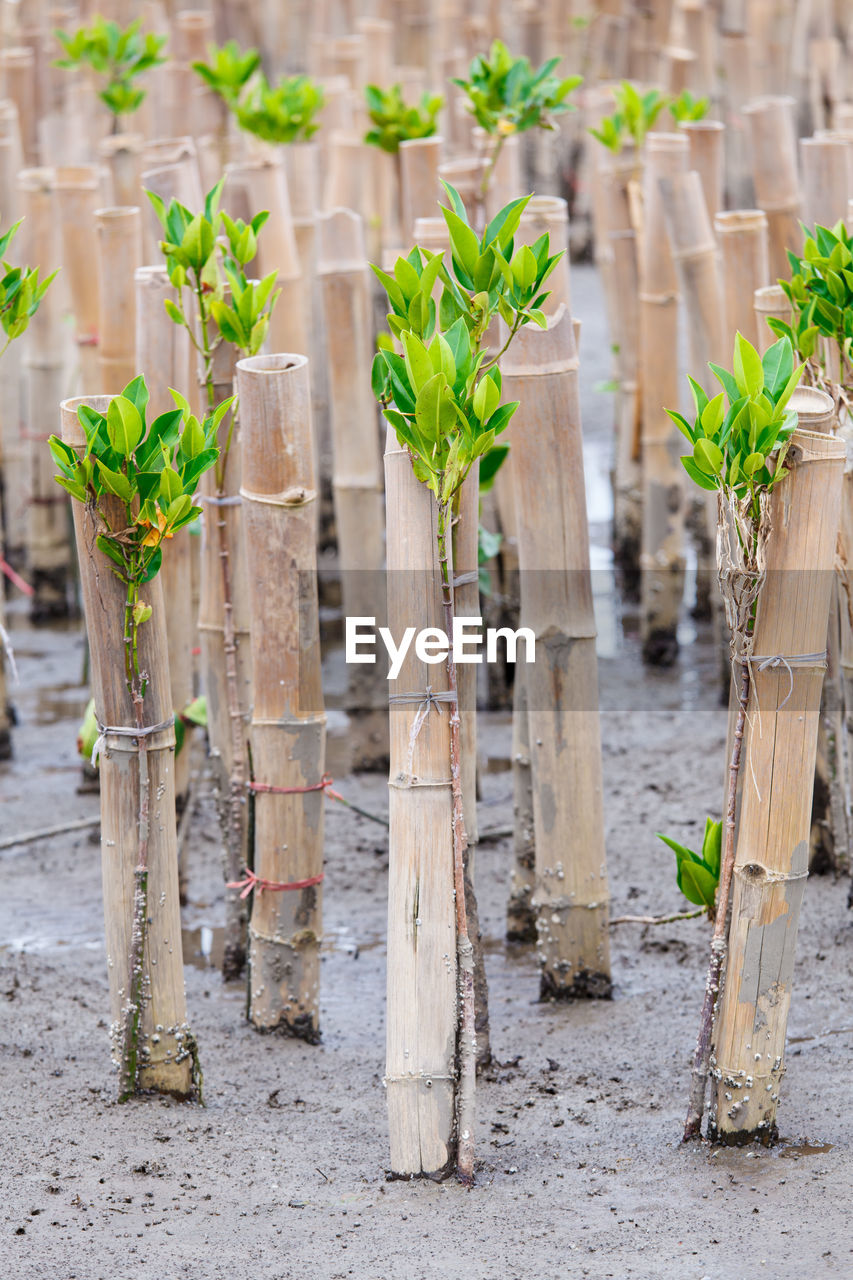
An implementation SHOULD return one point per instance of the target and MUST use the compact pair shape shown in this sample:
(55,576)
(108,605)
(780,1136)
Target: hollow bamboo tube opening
(164,1042)
(770,302)
(119,242)
(419,185)
(550,214)
(192,32)
(745,262)
(827,179)
(707,156)
(122,154)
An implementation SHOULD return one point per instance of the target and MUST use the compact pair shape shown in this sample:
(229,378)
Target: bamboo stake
(707,156)
(571,893)
(774,156)
(419,160)
(78,196)
(772,849)
(162,355)
(420,1073)
(770,301)
(662,556)
(135,773)
(119,239)
(17,71)
(520,912)
(288,721)
(744,253)
(122,154)
(550,214)
(357,476)
(827,164)
(738,76)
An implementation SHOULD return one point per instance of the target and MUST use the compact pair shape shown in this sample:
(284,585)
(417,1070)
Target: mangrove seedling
(634,116)
(228,70)
(21,291)
(119,55)
(698,874)
(441,394)
(739,439)
(506,96)
(394,121)
(281,114)
(685,109)
(152,470)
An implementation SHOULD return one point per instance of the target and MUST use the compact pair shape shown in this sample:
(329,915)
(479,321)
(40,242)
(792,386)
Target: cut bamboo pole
(78,196)
(745,262)
(737,77)
(166,1045)
(827,164)
(571,892)
(770,302)
(419,185)
(122,154)
(520,912)
(17,72)
(301,160)
(288,730)
(550,214)
(706,139)
(119,240)
(773,838)
(777,191)
(662,555)
(162,357)
(356,475)
(420,1072)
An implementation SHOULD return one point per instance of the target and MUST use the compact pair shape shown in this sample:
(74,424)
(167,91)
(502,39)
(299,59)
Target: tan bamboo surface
(550,214)
(826,80)
(420,1070)
(420,190)
(700,36)
(17,72)
(770,301)
(771,861)
(162,357)
(662,549)
(520,912)
(119,253)
(738,88)
(694,252)
(772,132)
(122,154)
(345,179)
(78,194)
(745,265)
(288,729)
(357,470)
(378,49)
(827,164)
(302,160)
(166,1062)
(44,345)
(227,727)
(707,140)
(14,448)
(571,893)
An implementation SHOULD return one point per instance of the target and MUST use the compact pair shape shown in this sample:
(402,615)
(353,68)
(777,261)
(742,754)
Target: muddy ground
(282,1173)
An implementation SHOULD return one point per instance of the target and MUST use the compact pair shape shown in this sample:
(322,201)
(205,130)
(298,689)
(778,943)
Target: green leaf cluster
(284,113)
(395,122)
(685,109)
(699,874)
(21,292)
(734,434)
(119,55)
(505,94)
(821,295)
(439,391)
(634,116)
(228,70)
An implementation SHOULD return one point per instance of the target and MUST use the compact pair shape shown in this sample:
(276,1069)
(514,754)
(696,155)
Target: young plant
(634,116)
(139,479)
(229,70)
(395,122)
(506,96)
(442,395)
(282,114)
(739,439)
(698,874)
(120,56)
(685,108)
(20,292)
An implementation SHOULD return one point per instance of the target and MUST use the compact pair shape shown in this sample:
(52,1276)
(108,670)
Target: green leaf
(418,364)
(703,481)
(697,884)
(486,398)
(434,412)
(708,457)
(465,245)
(726,381)
(124,426)
(712,846)
(748,370)
(490,465)
(170,485)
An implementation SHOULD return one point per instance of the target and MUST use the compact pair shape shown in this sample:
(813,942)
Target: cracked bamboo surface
(165,1063)
(771,861)
(571,896)
(422,996)
(288,730)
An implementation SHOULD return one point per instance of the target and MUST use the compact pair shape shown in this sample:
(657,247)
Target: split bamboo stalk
(662,554)
(288,730)
(571,894)
(827,164)
(777,191)
(420,1072)
(356,476)
(78,196)
(770,301)
(419,185)
(166,1044)
(162,357)
(48,552)
(119,240)
(771,862)
(744,254)
(707,156)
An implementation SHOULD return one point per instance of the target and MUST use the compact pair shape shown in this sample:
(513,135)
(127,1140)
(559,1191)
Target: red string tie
(16,579)
(250,881)
(325,784)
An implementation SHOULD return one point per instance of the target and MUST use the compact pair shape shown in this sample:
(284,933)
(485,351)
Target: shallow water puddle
(796,1150)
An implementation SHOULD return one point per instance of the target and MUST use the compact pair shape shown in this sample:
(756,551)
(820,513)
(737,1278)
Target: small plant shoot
(228,70)
(282,114)
(394,121)
(633,118)
(821,295)
(21,292)
(119,55)
(698,874)
(686,109)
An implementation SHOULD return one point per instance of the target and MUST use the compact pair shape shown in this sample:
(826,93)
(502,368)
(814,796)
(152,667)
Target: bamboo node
(814,661)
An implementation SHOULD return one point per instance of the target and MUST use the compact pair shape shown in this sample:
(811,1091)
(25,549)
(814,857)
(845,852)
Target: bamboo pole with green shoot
(117,55)
(739,439)
(132,484)
(206,254)
(442,400)
(393,121)
(119,253)
(78,197)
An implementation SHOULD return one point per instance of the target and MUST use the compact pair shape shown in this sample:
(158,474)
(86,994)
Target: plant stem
(678,915)
(467,1037)
(702,1054)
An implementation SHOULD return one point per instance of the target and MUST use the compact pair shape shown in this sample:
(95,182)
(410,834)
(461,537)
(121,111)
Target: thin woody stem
(467,1037)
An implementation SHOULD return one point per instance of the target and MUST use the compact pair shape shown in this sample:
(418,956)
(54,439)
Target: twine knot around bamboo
(326,784)
(252,882)
(427,700)
(125,731)
(803,660)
